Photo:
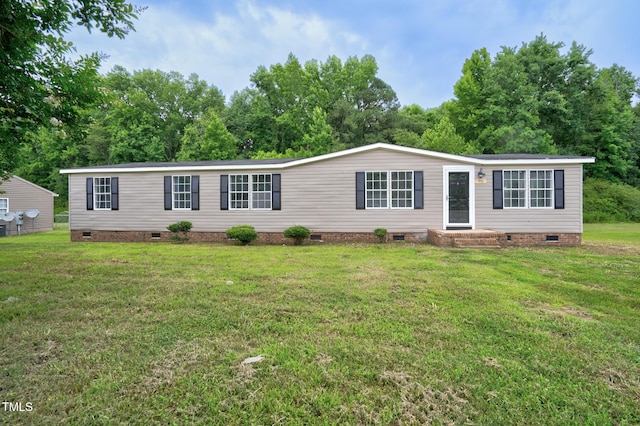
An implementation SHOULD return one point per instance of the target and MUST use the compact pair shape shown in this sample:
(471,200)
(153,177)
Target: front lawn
(110,333)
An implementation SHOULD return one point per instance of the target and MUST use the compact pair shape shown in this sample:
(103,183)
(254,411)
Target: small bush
(298,233)
(243,233)
(381,233)
(180,228)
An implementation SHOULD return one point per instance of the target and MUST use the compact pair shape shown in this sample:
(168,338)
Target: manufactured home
(24,207)
(417,195)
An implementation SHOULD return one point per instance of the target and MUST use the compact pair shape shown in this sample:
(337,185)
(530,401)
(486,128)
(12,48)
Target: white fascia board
(176,168)
(541,161)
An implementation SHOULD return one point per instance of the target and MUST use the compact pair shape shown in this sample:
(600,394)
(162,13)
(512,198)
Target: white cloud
(223,49)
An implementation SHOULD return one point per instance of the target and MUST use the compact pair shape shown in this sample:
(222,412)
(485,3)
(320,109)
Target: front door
(459,197)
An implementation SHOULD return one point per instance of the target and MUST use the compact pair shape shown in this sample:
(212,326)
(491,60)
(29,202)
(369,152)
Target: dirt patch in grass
(567,311)
(180,360)
(420,404)
(622,382)
(612,249)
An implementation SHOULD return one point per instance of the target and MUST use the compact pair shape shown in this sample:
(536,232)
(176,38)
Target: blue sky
(419,45)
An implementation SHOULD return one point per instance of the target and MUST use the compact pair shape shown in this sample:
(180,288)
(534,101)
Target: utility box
(3,230)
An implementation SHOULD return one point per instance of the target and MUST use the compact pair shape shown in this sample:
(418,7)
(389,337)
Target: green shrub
(605,201)
(298,233)
(243,233)
(381,233)
(180,228)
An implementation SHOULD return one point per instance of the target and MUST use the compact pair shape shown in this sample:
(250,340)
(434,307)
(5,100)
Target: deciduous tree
(40,84)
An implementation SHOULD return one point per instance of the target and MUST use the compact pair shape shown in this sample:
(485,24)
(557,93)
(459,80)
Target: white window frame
(256,192)
(102,193)
(180,196)
(407,181)
(376,189)
(524,189)
(548,200)
(261,191)
(244,201)
(528,189)
(381,194)
(4,210)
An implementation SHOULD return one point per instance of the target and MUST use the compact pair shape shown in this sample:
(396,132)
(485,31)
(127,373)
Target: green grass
(109,333)
(612,232)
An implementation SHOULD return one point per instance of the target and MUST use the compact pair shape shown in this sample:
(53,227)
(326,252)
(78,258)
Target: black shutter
(168,201)
(418,189)
(275,192)
(89,193)
(360,184)
(497,189)
(224,192)
(115,202)
(195,192)
(558,188)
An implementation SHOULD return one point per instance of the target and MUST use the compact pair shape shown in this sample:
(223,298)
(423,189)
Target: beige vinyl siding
(319,195)
(23,196)
(567,220)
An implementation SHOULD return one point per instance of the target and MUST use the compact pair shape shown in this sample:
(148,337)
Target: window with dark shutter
(224,192)
(558,189)
(360,191)
(275,192)
(89,193)
(497,189)
(115,199)
(195,192)
(168,201)
(418,189)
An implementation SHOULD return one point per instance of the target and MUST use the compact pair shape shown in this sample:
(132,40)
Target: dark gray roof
(211,163)
(522,157)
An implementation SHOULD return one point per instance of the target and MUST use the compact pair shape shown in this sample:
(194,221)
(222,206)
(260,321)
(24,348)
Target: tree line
(539,97)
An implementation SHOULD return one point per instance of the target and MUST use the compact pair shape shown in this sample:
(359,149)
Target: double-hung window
(182,192)
(528,189)
(515,189)
(541,188)
(239,191)
(250,191)
(261,191)
(377,190)
(402,190)
(102,193)
(394,186)
(4,205)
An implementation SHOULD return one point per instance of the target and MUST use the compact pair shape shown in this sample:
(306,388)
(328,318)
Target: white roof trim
(294,163)
(53,194)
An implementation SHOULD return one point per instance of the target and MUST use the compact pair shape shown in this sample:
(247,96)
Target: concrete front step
(477,242)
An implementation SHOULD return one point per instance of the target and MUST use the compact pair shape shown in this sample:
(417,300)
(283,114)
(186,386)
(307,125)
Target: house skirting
(441,238)
(220,237)
(496,239)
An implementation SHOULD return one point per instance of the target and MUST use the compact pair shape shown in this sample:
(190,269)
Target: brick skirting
(448,238)
(543,239)
(220,237)
(436,237)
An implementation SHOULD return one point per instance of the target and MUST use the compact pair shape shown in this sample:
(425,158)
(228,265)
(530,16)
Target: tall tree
(207,138)
(151,109)
(443,138)
(39,84)
(537,99)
